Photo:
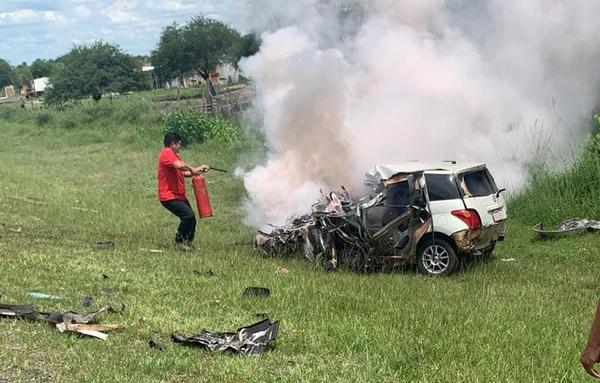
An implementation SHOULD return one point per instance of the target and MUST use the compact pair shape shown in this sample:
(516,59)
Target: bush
(195,127)
(220,130)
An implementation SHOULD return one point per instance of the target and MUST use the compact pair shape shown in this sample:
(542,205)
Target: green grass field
(64,188)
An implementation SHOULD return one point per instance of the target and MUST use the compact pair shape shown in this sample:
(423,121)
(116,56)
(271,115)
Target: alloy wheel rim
(436,259)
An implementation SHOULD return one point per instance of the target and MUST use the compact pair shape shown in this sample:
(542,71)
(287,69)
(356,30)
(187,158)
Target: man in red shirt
(171,189)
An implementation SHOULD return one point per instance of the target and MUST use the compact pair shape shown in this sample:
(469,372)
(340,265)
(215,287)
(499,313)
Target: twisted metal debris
(569,227)
(248,340)
(337,231)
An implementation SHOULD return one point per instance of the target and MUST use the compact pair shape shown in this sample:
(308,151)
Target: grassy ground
(62,190)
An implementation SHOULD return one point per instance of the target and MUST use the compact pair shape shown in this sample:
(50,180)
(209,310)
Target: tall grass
(552,196)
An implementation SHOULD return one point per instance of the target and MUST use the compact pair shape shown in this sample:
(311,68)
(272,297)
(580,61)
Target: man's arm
(189,171)
(591,353)
(182,166)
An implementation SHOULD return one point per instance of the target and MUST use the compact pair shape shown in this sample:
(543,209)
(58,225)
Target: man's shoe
(182,246)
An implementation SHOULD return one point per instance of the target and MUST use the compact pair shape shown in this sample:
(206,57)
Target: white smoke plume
(343,85)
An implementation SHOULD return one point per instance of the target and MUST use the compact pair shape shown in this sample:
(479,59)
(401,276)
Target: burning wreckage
(336,232)
(393,225)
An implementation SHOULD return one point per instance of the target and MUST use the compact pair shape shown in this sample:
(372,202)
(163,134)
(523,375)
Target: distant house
(40,84)
(221,75)
(9,91)
(36,88)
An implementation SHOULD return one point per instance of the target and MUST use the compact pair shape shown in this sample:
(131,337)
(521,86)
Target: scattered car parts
(69,321)
(566,228)
(247,340)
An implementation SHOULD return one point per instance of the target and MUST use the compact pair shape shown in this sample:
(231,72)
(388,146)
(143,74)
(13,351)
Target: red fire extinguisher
(201,194)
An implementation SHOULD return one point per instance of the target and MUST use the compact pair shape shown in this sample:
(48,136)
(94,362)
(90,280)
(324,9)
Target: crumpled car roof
(387,171)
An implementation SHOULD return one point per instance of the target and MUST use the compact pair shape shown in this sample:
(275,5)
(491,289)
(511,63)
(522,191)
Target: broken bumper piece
(248,340)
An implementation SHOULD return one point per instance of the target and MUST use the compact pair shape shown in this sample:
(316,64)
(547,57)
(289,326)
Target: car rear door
(481,193)
(444,197)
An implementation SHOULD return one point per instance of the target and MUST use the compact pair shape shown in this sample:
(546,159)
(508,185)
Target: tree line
(92,70)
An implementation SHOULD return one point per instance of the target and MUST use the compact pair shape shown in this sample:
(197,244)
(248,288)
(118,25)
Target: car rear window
(441,187)
(479,183)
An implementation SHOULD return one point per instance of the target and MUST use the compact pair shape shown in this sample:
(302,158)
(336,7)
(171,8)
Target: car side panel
(443,221)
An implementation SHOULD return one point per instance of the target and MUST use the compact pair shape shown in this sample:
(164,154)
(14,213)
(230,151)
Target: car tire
(436,258)
(487,253)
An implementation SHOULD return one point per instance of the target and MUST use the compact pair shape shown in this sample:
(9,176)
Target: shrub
(188,124)
(220,130)
(195,127)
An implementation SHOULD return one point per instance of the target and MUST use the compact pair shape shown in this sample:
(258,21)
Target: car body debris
(249,340)
(69,321)
(567,228)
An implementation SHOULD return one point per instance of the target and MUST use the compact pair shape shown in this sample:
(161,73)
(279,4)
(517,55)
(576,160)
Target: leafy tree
(42,68)
(23,75)
(248,46)
(197,47)
(91,70)
(169,57)
(7,74)
(209,43)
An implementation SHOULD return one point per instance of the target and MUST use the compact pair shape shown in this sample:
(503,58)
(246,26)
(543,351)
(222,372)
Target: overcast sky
(46,29)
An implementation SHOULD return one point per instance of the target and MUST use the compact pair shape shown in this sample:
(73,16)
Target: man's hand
(590,356)
(200,169)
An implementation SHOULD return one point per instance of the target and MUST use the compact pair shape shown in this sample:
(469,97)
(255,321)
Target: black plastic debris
(256,292)
(208,273)
(248,340)
(104,245)
(157,345)
(16,311)
(87,302)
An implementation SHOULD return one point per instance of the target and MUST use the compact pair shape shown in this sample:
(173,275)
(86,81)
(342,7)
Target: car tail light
(469,217)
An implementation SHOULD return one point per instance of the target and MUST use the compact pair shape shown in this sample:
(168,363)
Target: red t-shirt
(171,184)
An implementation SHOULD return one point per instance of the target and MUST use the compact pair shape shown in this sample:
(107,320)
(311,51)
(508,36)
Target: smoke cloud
(343,85)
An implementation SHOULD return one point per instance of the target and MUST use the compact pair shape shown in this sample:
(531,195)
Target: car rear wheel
(487,253)
(436,258)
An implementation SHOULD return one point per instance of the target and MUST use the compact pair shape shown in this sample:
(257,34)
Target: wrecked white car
(423,214)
